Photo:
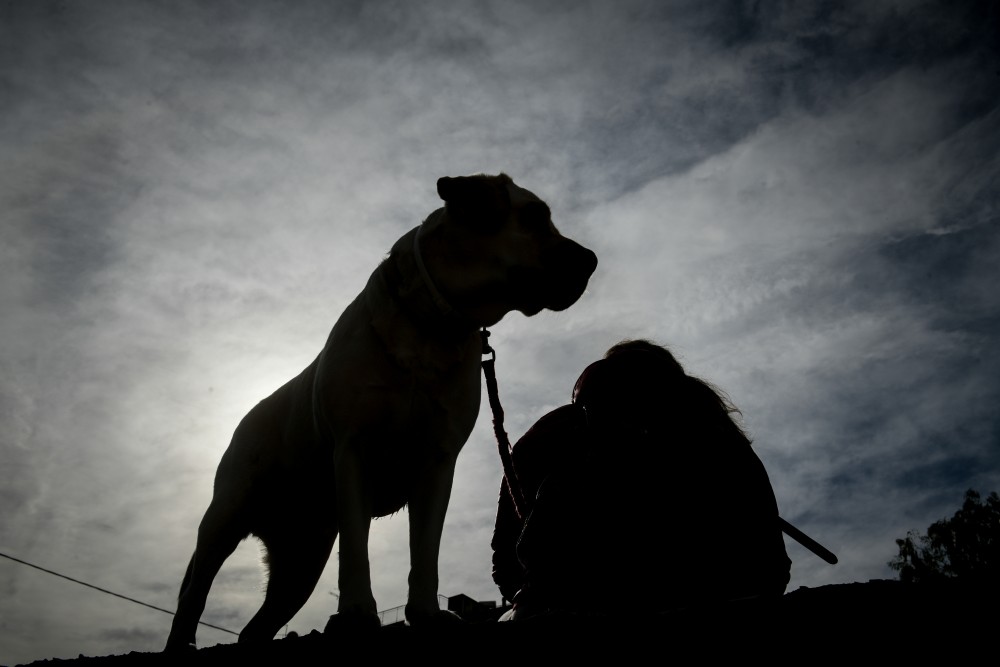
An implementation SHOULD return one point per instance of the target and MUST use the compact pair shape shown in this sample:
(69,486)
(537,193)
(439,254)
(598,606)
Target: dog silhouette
(377,420)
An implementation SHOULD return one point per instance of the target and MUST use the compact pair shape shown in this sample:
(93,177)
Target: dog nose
(581,259)
(590,261)
(569,275)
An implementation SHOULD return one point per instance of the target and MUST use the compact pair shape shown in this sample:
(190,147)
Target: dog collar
(436,296)
(410,284)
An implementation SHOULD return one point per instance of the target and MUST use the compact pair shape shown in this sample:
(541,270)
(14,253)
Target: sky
(799,199)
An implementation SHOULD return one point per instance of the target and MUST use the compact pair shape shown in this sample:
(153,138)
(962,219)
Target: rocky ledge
(877,619)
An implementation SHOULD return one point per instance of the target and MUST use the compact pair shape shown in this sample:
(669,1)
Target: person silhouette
(641,495)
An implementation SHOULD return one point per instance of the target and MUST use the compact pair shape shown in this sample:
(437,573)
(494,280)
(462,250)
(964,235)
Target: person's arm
(534,455)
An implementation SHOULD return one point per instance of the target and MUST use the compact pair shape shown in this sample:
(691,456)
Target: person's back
(665,506)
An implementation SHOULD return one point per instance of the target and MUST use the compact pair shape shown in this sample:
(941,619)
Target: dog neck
(439,301)
(411,288)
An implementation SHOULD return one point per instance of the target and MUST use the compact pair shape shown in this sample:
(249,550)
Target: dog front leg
(354,516)
(428,505)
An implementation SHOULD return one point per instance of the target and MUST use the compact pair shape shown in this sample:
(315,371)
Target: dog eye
(536,215)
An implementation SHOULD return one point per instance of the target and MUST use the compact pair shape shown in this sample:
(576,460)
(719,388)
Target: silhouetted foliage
(964,547)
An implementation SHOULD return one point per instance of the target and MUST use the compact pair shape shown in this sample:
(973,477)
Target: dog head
(493,248)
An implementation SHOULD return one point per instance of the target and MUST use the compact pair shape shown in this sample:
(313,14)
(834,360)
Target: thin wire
(103,590)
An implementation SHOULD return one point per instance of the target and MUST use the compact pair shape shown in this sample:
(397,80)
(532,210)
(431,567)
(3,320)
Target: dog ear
(476,198)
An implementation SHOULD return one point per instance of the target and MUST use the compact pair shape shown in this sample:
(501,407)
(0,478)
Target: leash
(514,488)
(503,442)
(806,541)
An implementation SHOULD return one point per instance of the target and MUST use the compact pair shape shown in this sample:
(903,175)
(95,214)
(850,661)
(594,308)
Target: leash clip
(485,336)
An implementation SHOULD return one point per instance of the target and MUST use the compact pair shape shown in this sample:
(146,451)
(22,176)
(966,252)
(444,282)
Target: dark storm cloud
(946,273)
(786,56)
(899,410)
(943,275)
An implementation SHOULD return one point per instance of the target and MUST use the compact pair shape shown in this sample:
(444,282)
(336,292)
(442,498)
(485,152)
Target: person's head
(634,366)
(640,386)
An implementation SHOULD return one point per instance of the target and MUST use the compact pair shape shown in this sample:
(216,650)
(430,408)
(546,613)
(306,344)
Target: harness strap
(503,442)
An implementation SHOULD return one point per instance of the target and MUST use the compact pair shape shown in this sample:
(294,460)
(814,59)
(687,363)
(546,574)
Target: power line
(104,590)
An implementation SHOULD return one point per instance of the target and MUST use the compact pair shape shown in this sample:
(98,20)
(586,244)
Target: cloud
(800,200)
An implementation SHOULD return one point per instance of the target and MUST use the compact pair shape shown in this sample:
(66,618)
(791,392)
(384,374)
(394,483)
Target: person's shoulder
(565,417)
(563,413)
(559,424)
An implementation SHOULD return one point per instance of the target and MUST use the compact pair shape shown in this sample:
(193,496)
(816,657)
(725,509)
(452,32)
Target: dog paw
(352,623)
(433,618)
(180,648)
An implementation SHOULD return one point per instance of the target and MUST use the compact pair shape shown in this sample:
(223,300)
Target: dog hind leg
(218,537)
(295,563)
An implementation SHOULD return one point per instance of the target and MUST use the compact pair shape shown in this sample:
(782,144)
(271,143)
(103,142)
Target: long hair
(639,385)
